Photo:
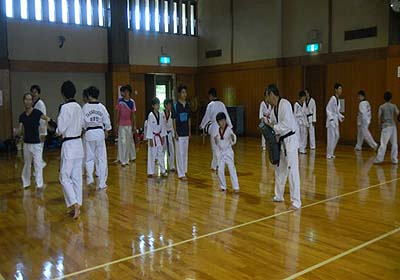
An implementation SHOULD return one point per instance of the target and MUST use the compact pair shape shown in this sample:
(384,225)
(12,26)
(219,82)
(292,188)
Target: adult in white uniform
(284,124)
(169,139)
(155,134)
(41,106)
(363,121)
(264,115)
(29,126)
(224,140)
(209,122)
(388,113)
(69,126)
(302,122)
(96,123)
(333,117)
(311,110)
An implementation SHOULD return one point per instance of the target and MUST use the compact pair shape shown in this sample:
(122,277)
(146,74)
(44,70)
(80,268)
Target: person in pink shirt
(126,109)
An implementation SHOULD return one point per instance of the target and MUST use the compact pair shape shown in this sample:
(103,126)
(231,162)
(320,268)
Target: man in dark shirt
(29,126)
(182,127)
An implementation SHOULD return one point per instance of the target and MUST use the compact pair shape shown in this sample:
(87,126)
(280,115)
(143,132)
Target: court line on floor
(343,254)
(217,232)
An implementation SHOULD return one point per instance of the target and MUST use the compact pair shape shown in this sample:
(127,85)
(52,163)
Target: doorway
(314,80)
(160,86)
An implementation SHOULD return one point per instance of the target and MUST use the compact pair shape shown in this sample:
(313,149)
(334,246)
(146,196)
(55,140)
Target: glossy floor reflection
(169,229)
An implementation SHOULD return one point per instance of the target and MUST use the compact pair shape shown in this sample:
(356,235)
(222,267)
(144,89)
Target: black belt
(65,139)
(286,136)
(283,138)
(94,127)
(309,115)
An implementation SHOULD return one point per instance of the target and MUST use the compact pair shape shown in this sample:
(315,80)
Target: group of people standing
(84,130)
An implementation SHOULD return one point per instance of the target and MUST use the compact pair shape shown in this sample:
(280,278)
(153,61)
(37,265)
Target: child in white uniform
(169,139)
(264,115)
(155,134)
(301,119)
(224,140)
(96,122)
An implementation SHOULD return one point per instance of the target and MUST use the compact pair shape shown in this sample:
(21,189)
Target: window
(166,17)
(184,23)
(137,14)
(38,9)
(101,13)
(175,17)
(147,15)
(77,8)
(52,11)
(64,11)
(192,20)
(24,9)
(89,12)
(156,16)
(128,13)
(9,8)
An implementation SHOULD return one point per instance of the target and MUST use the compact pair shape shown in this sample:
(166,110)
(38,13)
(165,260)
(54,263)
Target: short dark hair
(68,89)
(85,93)
(126,88)
(272,88)
(307,89)
(387,96)
(362,93)
(167,101)
(212,92)
(220,116)
(93,92)
(35,87)
(25,95)
(181,87)
(302,93)
(337,85)
(155,101)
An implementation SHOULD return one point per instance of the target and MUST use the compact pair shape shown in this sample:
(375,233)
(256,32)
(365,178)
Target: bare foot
(77,211)
(184,178)
(294,208)
(236,191)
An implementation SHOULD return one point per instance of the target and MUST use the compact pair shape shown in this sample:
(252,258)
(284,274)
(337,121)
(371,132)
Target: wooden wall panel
(5,108)
(367,75)
(138,85)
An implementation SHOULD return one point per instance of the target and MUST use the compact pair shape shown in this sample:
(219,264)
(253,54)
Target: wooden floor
(348,227)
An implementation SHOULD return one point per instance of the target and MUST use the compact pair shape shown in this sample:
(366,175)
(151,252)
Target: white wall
(299,18)
(257,30)
(30,40)
(50,84)
(214,31)
(357,14)
(145,48)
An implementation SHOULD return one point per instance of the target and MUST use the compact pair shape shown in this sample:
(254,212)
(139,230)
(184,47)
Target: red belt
(159,136)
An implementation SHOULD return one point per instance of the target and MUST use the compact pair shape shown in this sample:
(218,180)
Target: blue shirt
(181,114)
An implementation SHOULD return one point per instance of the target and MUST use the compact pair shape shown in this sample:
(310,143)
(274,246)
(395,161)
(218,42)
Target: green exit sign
(313,48)
(164,60)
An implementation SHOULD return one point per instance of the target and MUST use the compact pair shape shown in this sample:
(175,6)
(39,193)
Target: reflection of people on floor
(363,168)
(389,184)
(333,186)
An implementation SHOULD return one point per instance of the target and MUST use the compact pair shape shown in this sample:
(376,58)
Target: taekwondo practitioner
(169,139)
(182,131)
(69,126)
(363,121)
(311,110)
(155,134)
(96,123)
(333,117)
(387,114)
(224,140)
(126,109)
(209,122)
(264,113)
(29,123)
(302,122)
(41,106)
(284,124)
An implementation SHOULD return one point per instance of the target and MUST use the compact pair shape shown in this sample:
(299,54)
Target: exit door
(160,86)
